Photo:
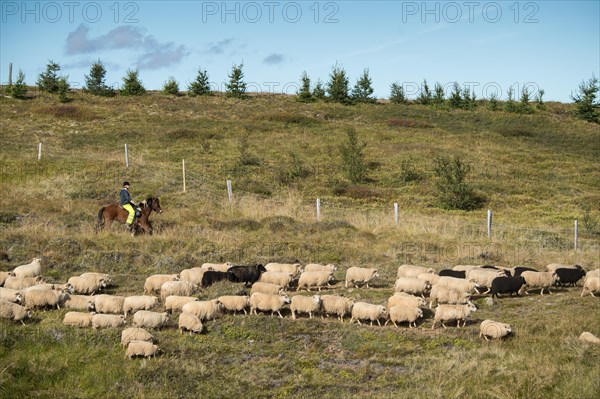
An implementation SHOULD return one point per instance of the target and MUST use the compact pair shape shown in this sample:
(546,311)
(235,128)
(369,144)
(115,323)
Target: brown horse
(108,214)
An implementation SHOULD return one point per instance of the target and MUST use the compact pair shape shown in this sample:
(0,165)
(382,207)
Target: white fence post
(576,233)
(39,151)
(489,223)
(183,167)
(396,213)
(229,192)
(318,209)
(126,156)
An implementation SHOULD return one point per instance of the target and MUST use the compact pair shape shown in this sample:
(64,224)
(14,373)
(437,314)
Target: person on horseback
(125,202)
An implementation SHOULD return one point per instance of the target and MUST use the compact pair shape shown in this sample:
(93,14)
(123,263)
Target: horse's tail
(100,218)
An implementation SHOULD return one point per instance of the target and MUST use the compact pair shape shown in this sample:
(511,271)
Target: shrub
(453,191)
(132,86)
(586,101)
(171,87)
(18,89)
(319,90)
(353,158)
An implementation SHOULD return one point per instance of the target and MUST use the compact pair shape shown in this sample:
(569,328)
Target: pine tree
(353,157)
(19,88)
(200,86)
(304,95)
(585,101)
(48,81)
(236,87)
(363,89)
(524,106)
(439,96)
(397,95)
(338,86)
(510,105)
(132,86)
(455,99)
(493,102)
(95,81)
(425,96)
(469,99)
(319,90)
(171,87)
(539,102)
(63,88)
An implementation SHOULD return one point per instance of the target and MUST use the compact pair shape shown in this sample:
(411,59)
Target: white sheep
(314,279)
(589,338)
(483,277)
(444,313)
(44,298)
(4,276)
(592,274)
(154,282)
(405,300)
(13,311)
(266,288)
(78,319)
(494,329)
(235,303)
(98,277)
(190,322)
(293,268)
(465,268)
(176,302)
(411,285)
(11,295)
(368,311)
(317,267)
(217,267)
(267,302)
(458,284)
(108,321)
(205,310)
(19,283)
(149,319)
(447,295)
(551,268)
(32,269)
(139,302)
(355,275)
(591,285)
(135,334)
(279,278)
(429,277)
(86,285)
(335,304)
(47,287)
(413,271)
(81,302)
(409,314)
(109,303)
(193,275)
(538,280)
(305,304)
(181,288)
(141,348)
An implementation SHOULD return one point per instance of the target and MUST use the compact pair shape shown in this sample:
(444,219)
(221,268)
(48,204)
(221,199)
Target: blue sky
(487,45)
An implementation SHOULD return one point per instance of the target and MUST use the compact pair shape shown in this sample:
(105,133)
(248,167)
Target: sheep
(429,277)
(86,285)
(447,295)
(13,311)
(107,321)
(45,298)
(8,294)
(148,319)
(47,287)
(279,278)
(317,267)
(539,280)
(154,282)
(569,276)
(99,277)
(305,304)
(507,285)
(589,338)
(205,310)
(190,322)
(591,285)
(494,329)
(235,303)
(355,275)
(314,279)
(293,268)
(139,302)
(211,277)
(464,268)
(267,302)
(32,269)
(4,276)
(81,302)
(551,268)
(141,348)
(483,277)
(593,273)
(453,312)
(193,275)
(217,267)
(335,304)
(452,273)
(400,313)
(135,334)
(405,300)
(247,274)
(176,302)
(517,270)
(413,271)
(367,311)
(18,283)
(266,288)
(458,284)
(411,285)
(109,304)
(78,319)
(181,288)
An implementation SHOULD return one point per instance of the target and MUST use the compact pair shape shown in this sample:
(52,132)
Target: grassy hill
(537,172)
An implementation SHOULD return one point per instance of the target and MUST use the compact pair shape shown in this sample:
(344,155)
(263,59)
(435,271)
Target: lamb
(109,304)
(33,269)
(8,294)
(13,311)
(494,329)
(589,338)
(405,300)
(99,277)
(181,288)
(335,304)
(429,277)
(267,302)
(399,314)
(176,302)
(107,321)
(217,267)
(148,319)
(193,275)
(305,304)
(413,271)
(453,312)
(484,277)
(368,311)
(139,302)
(205,310)
(355,275)
(154,282)
(591,285)
(190,322)
(45,298)
(141,348)
(266,288)
(279,278)
(135,334)
(4,276)
(78,319)
(317,267)
(235,303)
(86,285)
(18,283)
(539,280)
(458,284)
(314,279)
(411,285)
(81,302)
(293,268)
(447,295)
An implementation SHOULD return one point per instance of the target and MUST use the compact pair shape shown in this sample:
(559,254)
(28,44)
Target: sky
(488,46)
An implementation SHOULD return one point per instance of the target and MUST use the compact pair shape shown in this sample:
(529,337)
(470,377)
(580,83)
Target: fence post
(10,74)
(396,213)
(489,223)
(126,156)
(318,209)
(39,151)
(229,192)
(576,233)
(183,167)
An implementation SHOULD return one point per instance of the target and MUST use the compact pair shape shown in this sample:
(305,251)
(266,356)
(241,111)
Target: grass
(538,172)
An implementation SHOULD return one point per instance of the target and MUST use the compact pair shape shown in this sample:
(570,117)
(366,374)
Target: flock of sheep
(449,291)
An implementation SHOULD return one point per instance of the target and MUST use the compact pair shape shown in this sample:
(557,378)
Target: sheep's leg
(293,315)
(378,323)
(592,294)
(458,323)
(443,325)
(433,326)
(279,313)
(488,290)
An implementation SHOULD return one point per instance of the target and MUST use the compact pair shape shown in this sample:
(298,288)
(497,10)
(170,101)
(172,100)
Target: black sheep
(506,285)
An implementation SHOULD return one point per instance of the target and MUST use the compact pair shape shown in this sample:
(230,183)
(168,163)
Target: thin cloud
(274,59)
(219,47)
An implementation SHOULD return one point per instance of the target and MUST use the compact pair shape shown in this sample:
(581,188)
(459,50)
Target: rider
(125,201)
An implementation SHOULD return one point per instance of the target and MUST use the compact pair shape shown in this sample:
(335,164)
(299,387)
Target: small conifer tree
(438,97)
(63,88)
(353,157)
(132,86)
(363,89)
(493,102)
(587,105)
(397,95)
(171,87)
(95,81)
(200,86)
(456,96)
(48,80)
(539,101)
(425,96)
(304,94)
(510,105)
(236,87)
(337,87)
(319,90)
(19,88)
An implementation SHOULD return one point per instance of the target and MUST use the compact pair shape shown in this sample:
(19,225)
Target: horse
(108,214)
